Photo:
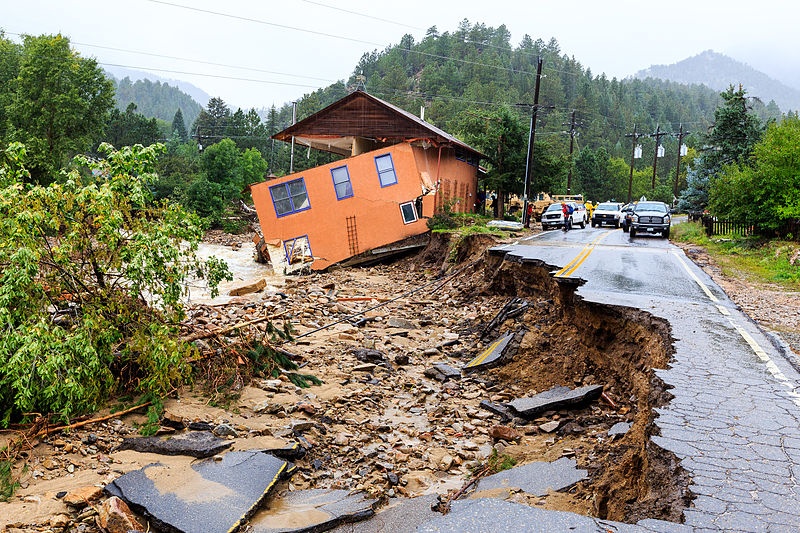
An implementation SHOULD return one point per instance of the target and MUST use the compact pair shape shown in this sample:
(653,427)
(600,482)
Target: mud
(389,430)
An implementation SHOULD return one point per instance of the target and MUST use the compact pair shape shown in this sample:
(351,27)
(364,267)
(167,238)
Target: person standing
(565,213)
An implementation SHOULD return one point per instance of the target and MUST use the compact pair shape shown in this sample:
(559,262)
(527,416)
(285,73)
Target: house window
(341,182)
(298,250)
(409,212)
(289,197)
(386,173)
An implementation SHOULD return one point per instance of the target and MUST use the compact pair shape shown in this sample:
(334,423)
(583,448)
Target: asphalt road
(734,420)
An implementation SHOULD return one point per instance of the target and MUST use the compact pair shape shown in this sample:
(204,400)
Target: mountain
(199,95)
(155,99)
(719,71)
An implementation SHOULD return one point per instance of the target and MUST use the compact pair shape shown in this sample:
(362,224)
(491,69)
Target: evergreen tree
(130,127)
(179,126)
(212,124)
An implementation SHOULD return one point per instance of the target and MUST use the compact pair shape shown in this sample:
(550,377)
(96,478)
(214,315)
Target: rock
(114,516)
(401,323)
(505,433)
(193,443)
(442,372)
(60,520)
(248,289)
(83,496)
(225,430)
(549,427)
(555,398)
(619,429)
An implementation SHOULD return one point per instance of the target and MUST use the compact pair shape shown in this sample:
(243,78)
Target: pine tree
(179,126)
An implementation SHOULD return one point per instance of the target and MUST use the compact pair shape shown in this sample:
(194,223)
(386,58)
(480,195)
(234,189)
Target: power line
(336,8)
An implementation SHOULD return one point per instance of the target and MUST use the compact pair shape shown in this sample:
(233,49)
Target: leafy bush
(92,275)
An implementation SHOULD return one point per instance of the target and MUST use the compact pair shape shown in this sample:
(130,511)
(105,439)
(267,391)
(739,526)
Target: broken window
(341,182)
(290,197)
(298,250)
(386,173)
(409,212)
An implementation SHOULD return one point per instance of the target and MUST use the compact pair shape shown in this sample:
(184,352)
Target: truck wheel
(633,233)
(582,224)
(594,224)
(616,224)
(665,234)
(544,228)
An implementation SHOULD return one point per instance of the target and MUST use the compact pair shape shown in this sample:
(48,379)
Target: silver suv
(651,217)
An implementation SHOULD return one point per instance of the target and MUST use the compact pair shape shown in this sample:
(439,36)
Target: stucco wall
(339,229)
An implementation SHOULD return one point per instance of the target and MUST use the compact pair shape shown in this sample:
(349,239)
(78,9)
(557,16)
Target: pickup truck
(552,217)
(651,217)
(607,213)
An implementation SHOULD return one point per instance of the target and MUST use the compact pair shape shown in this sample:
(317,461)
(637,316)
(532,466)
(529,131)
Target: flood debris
(311,510)
(248,288)
(512,309)
(555,398)
(619,429)
(198,444)
(536,478)
(491,355)
(209,495)
(443,372)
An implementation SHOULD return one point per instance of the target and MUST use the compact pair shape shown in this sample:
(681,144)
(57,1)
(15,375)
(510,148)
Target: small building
(398,171)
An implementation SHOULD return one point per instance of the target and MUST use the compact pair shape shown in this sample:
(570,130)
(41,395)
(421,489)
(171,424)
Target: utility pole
(635,137)
(294,120)
(531,136)
(658,134)
(681,135)
(572,133)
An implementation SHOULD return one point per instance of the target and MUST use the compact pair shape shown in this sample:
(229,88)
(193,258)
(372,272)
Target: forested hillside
(474,80)
(156,100)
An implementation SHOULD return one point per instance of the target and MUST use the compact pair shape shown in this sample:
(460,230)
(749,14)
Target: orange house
(398,171)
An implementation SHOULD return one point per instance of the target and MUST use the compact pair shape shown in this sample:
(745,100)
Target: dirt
(387,428)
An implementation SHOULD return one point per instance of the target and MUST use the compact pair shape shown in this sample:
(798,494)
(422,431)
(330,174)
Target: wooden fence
(716,226)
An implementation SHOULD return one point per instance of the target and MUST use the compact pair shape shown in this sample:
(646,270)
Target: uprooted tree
(92,275)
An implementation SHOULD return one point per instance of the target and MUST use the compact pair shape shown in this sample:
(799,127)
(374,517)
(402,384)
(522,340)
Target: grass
(758,260)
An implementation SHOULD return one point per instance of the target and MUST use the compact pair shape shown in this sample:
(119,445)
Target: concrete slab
(536,478)
(500,516)
(192,443)
(491,355)
(204,497)
(555,398)
(311,510)
(401,515)
(443,372)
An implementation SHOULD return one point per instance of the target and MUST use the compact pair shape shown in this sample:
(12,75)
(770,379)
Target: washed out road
(734,421)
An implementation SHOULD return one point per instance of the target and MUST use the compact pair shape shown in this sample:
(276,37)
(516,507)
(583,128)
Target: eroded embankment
(570,342)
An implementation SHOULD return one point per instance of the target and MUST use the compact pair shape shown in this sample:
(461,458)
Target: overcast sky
(259,53)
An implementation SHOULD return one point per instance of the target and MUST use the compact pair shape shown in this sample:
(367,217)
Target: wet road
(734,420)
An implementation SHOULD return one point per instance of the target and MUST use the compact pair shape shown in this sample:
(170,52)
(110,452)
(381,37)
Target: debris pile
(404,410)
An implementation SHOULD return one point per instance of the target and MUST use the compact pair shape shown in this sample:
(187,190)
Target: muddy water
(242,265)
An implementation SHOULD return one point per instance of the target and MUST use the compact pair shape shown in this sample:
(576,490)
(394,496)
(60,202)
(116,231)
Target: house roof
(359,114)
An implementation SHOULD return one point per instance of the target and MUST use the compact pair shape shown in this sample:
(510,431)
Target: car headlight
(666,219)
(635,218)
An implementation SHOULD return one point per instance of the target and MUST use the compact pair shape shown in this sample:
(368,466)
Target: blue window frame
(386,173)
(290,197)
(341,182)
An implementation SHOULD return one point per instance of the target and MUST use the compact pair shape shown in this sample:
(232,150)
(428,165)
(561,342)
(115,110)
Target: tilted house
(397,172)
